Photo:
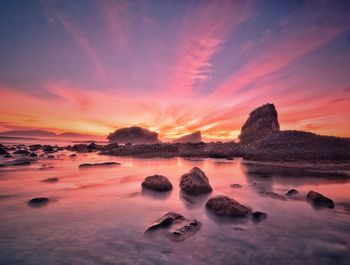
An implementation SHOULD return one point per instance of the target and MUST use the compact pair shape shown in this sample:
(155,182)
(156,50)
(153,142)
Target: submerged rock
(225,206)
(178,227)
(319,200)
(261,122)
(195,182)
(100,164)
(38,202)
(50,180)
(236,186)
(273,195)
(157,183)
(292,192)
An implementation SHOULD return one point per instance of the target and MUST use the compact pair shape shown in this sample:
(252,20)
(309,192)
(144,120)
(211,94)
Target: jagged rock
(195,137)
(178,227)
(157,183)
(38,202)
(261,122)
(100,164)
(319,200)
(134,135)
(292,192)
(226,206)
(273,195)
(195,182)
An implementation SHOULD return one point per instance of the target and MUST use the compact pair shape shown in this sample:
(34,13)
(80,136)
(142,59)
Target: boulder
(157,183)
(225,206)
(261,123)
(195,137)
(319,200)
(178,227)
(195,182)
(133,135)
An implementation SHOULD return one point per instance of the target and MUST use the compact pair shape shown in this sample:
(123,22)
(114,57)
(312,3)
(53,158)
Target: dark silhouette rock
(33,155)
(72,155)
(21,163)
(50,157)
(157,183)
(318,200)
(48,149)
(225,206)
(195,182)
(236,186)
(35,147)
(292,192)
(3,151)
(100,164)
(134,135)
(261,122)
(50,180)
(258,216)
(195,137)
(178,227)
(273,195)
(21,152)
(38,202)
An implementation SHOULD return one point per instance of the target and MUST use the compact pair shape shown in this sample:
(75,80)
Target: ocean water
(98,215)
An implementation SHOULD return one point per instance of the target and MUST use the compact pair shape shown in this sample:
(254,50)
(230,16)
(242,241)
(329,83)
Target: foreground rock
(195,137)
(157,183)
(228,207)
(178,227)
(318,200)
(38,202)
(100,164)
(261,123)
(134,135)
(195,182)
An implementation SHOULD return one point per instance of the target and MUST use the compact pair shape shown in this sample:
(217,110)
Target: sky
(174,66)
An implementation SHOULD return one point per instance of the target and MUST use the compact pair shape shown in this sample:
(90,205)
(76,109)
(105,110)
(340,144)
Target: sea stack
(195,137)
(261,123)
(134,135)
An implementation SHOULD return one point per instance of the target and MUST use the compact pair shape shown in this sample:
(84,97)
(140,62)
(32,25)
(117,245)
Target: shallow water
(98,215)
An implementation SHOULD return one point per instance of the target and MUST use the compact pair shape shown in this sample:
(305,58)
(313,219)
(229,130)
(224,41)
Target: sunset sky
(174,67)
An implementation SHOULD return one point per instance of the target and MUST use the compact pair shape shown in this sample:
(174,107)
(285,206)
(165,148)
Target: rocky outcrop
(318,200)
(134,135)
(195,182)
(228,207)
(195,137)
(178,227)
(157,183)
(261,122)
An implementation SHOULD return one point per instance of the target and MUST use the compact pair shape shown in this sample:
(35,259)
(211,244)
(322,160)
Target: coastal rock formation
(318,200)
(195,182)
(225,206)
(157,183)
(178,227)
(195,137)
(261,122)
(134,135)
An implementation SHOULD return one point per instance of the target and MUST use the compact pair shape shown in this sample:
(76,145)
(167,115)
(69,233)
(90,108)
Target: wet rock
(3,151)
(33,155)
(38,202)
(21,163)
(157,183)
(195,182)
(21,152)
(292,192)
(72,155)
(261,123)
(35,147)
(48,149)
(258,216)
(225,206)
(178,227)
(235,186)
(50,180)
(319,200)
(93,147)
(50,157)
(100,164)
(273,195)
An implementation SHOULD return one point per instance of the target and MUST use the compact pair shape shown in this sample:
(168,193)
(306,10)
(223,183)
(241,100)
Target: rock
(195,137)
(178,227)
(38,202)
(21,152)
(72,155)
(50,157)
(273,195)
(8,156)
(21,163)
(236,186)
(157,183)
(195,182)
(318,200)
(134,135)
(3,151)
(100,164)
(35,147)
(292,192)
(33,155)
(93,147)
(258,216)
(225,206)
(261,122)
(50,180)
(48,149)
